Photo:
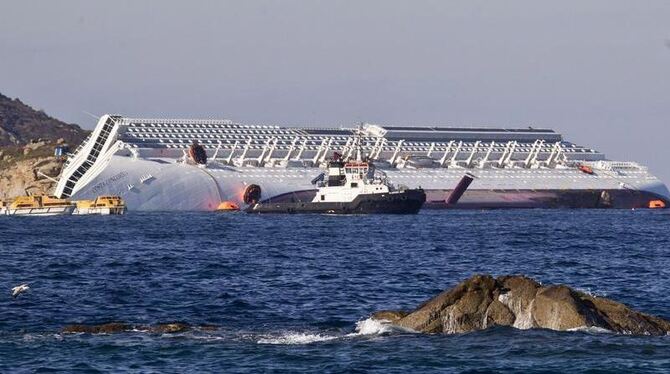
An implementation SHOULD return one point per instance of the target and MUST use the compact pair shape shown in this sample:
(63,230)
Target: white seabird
(16,291)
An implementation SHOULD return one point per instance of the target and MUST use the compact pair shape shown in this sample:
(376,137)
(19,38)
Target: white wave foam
(373,326)
(591,330)
(590,292)
(296,338)
(366,327)
(29,337)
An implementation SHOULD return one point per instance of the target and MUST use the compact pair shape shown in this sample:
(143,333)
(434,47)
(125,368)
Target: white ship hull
(178,186)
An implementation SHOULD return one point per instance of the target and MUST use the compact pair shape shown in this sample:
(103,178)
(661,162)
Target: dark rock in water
(169,328)
(208,327)
(105,328)
(118,327)
(483,301)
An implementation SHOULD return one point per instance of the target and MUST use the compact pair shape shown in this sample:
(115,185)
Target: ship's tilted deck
(377,140)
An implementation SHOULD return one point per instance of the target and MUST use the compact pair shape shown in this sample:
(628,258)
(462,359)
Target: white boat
(102,205)
(39,205)
(351,187)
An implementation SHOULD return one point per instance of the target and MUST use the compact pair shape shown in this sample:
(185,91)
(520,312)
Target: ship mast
(357,142)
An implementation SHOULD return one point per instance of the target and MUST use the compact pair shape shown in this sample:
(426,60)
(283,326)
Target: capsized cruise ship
(147,163)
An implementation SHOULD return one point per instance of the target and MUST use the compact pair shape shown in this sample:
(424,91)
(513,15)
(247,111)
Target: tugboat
(103,205)
(352,187)
(39,205)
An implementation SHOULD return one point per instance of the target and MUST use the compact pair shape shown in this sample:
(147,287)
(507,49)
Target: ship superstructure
(147,162)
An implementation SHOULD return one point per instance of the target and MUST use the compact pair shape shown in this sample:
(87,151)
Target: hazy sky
(598,71)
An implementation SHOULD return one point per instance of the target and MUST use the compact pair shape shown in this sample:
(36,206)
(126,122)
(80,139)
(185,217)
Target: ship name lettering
(109,180)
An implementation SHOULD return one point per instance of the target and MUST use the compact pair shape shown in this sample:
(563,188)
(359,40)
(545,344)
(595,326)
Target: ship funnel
(460,189)
(318,178)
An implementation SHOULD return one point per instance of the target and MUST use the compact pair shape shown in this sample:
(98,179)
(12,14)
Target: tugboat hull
(402,202)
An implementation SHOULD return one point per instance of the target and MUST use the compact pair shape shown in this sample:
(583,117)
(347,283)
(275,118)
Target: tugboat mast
(357,142)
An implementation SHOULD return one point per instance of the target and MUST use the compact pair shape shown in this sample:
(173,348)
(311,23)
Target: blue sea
(293,293)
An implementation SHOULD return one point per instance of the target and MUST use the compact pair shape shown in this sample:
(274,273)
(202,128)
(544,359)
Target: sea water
(294,293)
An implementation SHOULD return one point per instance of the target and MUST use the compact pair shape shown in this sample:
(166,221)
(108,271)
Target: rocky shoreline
(483,301)
(31,175)
(27,141)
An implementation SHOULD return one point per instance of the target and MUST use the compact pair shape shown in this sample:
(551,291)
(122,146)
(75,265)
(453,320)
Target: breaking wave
(366,327)
(371,326)
(590,292)
(290,338)
(591,330)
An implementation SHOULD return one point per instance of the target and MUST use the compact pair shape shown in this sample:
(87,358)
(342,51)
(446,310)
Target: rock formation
(483,301)
(27,141)
(30,174)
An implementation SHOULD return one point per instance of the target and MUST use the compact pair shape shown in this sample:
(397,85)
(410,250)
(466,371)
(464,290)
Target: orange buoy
(656,204)
(227,206)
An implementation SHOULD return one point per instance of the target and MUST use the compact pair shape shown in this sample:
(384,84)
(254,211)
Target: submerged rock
(169,328)
(119,327)
(482,301)
(105,328)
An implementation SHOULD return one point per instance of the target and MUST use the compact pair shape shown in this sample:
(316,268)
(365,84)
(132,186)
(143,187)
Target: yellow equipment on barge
(102,205)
